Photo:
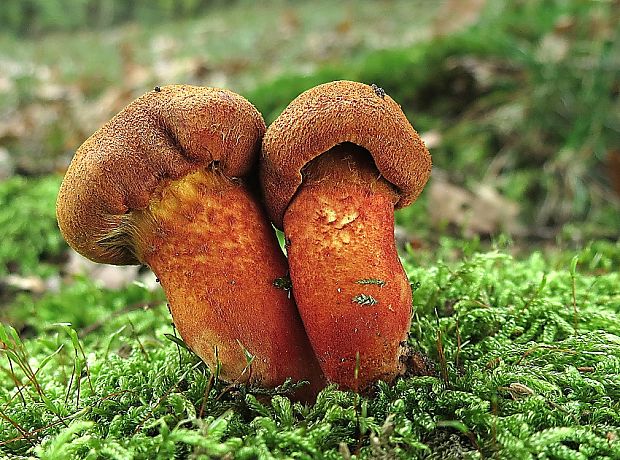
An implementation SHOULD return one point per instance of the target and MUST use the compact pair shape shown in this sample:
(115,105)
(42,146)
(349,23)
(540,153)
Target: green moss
(529,366)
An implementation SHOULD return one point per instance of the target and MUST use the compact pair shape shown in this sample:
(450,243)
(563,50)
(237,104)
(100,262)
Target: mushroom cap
(333,113)
(163,135)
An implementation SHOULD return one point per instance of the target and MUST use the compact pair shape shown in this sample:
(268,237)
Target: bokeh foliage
(526,100)
(537,126)
(31,241)
(33,17)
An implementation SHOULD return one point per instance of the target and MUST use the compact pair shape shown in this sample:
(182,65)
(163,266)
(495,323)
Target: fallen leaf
(455,15)
(6,164)
(431,139)
(483,211)
(613,169)
(110,276)
(25,283)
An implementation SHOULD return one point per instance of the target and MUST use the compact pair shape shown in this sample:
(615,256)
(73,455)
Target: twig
(442,356)
(573,269)
(18,427)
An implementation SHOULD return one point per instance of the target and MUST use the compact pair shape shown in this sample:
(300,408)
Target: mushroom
(162,184)
(334,165)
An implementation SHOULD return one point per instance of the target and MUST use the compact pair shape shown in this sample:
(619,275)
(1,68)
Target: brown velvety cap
(333,113)
(164,134)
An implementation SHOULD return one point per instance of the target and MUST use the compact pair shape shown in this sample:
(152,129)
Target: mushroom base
(207,240)
(351,290)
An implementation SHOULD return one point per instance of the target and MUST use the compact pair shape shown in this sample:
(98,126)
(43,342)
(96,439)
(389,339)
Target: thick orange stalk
(207,240)
(351,290)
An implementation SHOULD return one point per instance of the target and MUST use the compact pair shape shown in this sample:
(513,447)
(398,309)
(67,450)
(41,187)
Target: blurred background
(517,100)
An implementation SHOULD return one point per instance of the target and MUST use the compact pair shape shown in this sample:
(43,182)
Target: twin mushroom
(170,182)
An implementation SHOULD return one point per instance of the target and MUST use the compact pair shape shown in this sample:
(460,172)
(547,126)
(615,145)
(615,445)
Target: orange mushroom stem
(162,184)
(335,165)
(349,284)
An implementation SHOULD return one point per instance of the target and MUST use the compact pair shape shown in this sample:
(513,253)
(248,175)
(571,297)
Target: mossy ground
(525,359)
(521,335)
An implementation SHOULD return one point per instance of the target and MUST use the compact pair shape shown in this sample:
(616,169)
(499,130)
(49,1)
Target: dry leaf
(455,15)
(613,169)
(431,139)
(483,211)
(6,164)
(25,283)
(110,276)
